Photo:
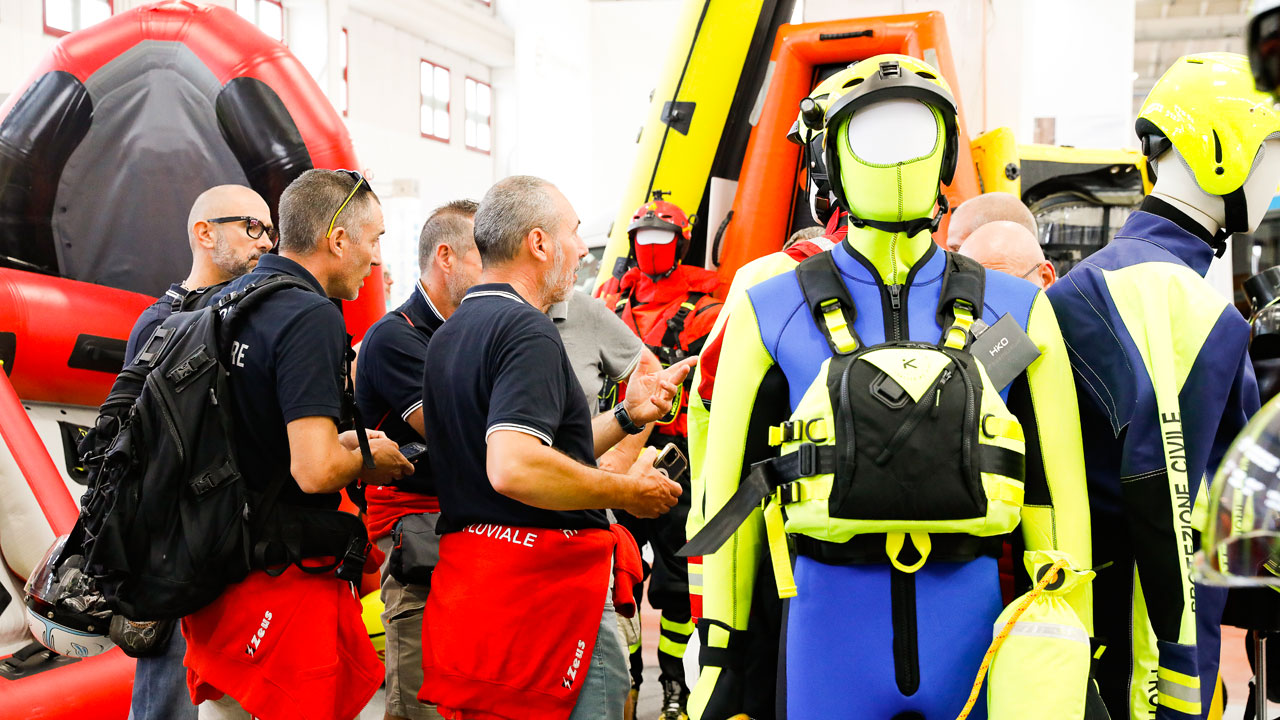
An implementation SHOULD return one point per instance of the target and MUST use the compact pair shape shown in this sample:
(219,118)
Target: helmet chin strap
(910,227)
(1236,219)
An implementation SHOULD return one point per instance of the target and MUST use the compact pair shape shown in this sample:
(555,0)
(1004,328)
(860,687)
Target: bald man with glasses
(1010,248)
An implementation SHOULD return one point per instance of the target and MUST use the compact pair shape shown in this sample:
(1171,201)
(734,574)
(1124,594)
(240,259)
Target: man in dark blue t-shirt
(512,440)
(287,372)
(228,229)
(389,393)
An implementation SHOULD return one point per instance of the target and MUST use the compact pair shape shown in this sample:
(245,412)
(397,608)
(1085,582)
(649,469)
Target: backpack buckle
(790,493)
(352,567)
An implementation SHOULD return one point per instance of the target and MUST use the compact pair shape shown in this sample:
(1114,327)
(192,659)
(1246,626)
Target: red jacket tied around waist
(513,615)
(290,647)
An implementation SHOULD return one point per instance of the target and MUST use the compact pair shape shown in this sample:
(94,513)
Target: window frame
(448,104)
(256,19)
(59,32)
(476,148)
(346,80)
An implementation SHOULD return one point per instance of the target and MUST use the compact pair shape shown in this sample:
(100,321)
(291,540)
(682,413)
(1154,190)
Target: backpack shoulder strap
(829,302)
(960,302)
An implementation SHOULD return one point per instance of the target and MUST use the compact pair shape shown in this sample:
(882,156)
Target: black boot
(675,699)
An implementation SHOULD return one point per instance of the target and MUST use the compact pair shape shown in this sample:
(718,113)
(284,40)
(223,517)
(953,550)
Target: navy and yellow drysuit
(859,641)
(1165,384)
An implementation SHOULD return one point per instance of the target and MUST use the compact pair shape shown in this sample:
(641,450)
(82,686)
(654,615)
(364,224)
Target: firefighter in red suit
(671,307)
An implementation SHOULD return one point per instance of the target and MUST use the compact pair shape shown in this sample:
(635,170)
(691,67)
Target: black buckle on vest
(807,457)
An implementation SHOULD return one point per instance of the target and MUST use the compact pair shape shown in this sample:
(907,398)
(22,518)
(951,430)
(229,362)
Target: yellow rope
(1004,633)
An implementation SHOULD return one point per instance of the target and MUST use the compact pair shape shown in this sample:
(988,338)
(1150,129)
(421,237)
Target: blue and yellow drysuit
(861,640)
(1165,384)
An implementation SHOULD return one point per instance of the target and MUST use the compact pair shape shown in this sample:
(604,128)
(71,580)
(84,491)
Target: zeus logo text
(252,646)
(571,674)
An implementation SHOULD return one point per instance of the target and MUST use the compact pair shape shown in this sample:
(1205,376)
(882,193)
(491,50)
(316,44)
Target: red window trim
(59,32)
(346,81)
(448,106)
(464,130)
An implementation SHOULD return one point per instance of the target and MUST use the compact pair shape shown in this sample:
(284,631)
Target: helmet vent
(926,75)
(855,81)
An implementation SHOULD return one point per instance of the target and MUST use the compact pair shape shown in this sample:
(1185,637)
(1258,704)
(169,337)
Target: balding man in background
(1010,248)
(987,208)
(228,229)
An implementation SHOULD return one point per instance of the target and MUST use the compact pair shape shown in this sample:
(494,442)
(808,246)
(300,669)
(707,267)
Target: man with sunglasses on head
(290,642)
(1010,248)
(228,229)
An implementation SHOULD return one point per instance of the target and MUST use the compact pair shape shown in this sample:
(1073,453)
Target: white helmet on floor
(65,610)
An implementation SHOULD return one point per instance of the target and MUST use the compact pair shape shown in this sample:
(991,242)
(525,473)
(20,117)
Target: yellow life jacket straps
(829,302)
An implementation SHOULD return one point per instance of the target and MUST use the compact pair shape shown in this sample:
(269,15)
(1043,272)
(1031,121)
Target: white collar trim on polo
(423,292)
(498,293)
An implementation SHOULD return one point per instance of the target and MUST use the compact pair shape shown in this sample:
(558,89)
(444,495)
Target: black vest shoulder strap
(824,290)
(964,281)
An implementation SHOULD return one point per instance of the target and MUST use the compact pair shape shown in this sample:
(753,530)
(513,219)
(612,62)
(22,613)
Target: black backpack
(168,521)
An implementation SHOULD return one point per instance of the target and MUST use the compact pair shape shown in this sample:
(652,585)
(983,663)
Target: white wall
(1017,60)
(383,121)
(573,103)
(1080,71)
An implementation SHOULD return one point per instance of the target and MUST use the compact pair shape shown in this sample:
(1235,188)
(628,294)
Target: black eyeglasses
(253,227)
(359,181)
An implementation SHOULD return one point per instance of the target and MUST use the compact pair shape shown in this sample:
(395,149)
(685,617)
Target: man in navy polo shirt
(228,229)
(287,369)
(513,443)
(389,393)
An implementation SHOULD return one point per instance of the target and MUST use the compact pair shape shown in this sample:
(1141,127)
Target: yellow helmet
(908,207)
(807,131)
(1207,107)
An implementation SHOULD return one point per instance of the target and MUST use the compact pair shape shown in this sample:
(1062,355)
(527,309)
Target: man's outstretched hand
(650,395)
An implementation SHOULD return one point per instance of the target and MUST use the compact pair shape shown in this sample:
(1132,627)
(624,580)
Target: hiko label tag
(1004,349)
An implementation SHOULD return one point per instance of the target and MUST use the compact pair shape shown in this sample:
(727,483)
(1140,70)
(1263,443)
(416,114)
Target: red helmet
(659,233)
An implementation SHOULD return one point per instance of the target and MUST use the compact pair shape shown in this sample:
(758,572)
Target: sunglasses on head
(253,227)
(360,181)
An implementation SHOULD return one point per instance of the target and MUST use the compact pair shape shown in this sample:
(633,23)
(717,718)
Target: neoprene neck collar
(892,254)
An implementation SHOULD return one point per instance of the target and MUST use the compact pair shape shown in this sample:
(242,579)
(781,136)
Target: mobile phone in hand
(672,462)
(414,451)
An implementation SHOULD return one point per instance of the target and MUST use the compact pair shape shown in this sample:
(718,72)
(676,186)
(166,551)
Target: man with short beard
(519,622)
(389,394)
(228,229)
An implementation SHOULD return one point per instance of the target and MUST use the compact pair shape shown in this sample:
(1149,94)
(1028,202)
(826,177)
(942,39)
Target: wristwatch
(624,420)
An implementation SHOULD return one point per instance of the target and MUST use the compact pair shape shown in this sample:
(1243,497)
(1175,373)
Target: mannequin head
(891,141)
(1211,140)
(1176,185)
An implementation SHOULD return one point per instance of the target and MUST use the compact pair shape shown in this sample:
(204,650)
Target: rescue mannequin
(863,637)
(761,690)
(1165,382)
(670,307)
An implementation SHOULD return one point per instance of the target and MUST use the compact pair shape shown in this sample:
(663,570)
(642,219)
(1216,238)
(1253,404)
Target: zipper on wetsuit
(895,304)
